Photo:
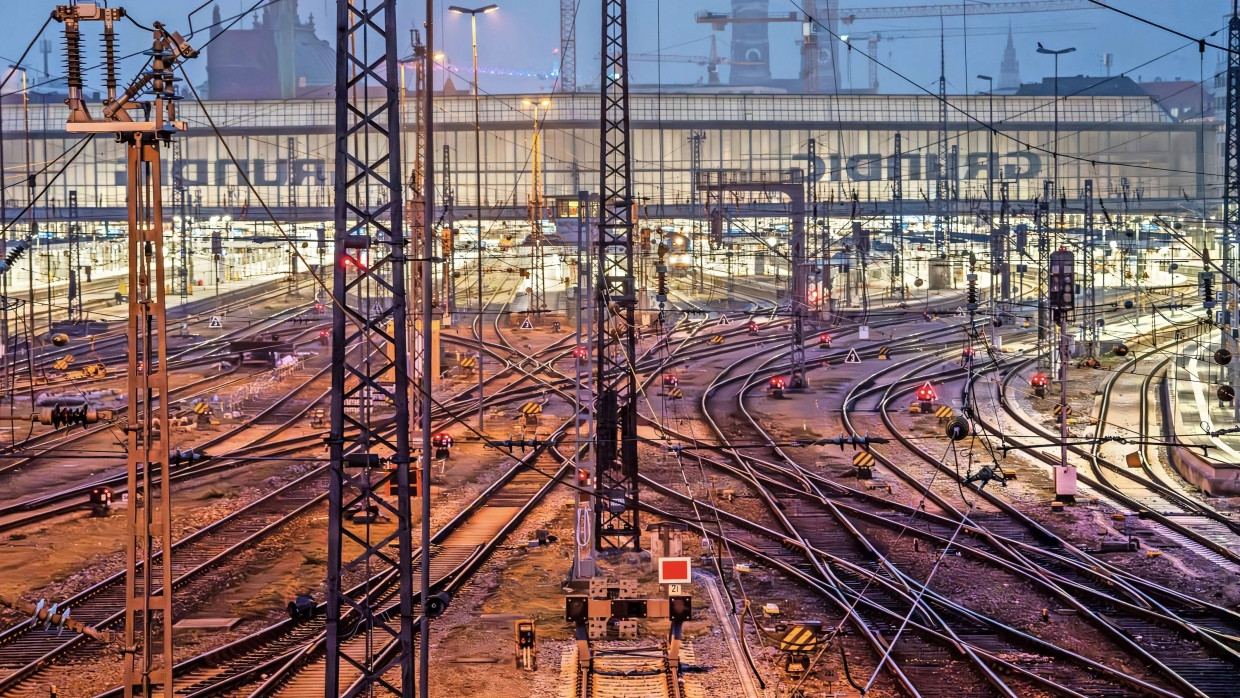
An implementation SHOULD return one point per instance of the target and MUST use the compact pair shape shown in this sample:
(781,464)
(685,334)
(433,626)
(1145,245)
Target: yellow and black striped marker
(943,412)
(863,459)
(468,361)
(63,364)
(202,408)
(1061,408)
(531,409)
(717,339)
(884,354)
(800,637)
(674,393)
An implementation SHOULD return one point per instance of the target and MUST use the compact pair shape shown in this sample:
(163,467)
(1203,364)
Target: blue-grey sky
(523,36)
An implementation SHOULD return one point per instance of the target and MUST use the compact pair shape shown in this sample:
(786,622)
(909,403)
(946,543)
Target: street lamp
(1055,145)
(473,29)
(34,231)
(992,169)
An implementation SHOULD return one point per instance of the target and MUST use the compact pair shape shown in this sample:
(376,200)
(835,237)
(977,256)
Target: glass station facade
(287,149)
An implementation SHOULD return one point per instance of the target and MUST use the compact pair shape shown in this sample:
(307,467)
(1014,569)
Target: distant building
(279,57)
(1186,100)
(1083,86)
(1009,69)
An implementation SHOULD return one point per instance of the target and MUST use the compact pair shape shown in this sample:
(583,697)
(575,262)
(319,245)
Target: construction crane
(712,61)
(815,22)
(872,39)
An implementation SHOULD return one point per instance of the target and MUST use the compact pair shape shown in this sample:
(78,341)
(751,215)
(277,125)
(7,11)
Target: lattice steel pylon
(1090,316)
(568,45)
(897,210)
(616,519)
(942,189)
(1231,189)
(148,648)
(369,365)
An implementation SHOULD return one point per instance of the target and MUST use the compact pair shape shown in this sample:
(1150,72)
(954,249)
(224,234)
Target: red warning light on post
(581,353)
(777,383)
(1038,380)
(926,393)
(441,440)
(670,380)
(320,307)
(753,326)
(824,338)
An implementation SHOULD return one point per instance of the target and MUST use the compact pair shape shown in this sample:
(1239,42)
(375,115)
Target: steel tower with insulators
(369,365)
(145,128)
(616,518)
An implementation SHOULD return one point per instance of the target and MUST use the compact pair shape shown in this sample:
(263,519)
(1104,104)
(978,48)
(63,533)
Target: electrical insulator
(971,298)
(60,416)
(16,250)
(177,457)
(1206,282)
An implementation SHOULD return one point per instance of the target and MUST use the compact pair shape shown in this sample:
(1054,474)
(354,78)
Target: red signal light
(581,353)
(441,440)
(583,477)
(926,393)
(670,380)
(1038,380)
(824,338)
(324,334)
(777,383)
(320,307)
(753,326)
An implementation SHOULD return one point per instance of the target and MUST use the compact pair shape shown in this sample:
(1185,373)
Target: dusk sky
(524,34)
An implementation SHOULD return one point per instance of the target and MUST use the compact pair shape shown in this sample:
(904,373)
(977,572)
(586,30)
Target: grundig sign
(872,167)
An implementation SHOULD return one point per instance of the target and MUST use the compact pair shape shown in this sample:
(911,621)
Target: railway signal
(442,442)
(100,501)
(670,380)
(824,340)
(966,356)
(752,327)
(584,478)
(1039,382)
(776,384)
(926,395)
(581,353)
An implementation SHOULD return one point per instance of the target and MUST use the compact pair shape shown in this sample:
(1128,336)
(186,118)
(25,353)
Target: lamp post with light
(473,29)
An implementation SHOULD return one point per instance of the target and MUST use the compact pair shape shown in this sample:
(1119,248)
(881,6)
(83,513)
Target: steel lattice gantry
(1231,189)
(616,519)
(370,377)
